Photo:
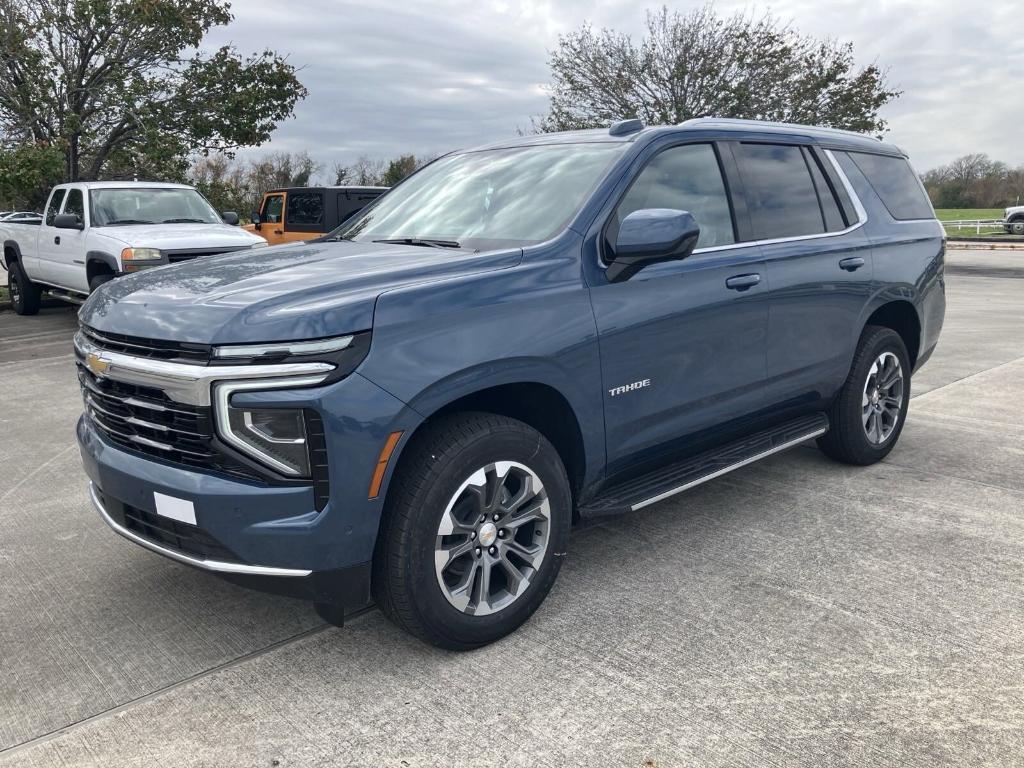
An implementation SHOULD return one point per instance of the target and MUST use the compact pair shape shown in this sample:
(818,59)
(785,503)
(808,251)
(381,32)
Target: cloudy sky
(427,76)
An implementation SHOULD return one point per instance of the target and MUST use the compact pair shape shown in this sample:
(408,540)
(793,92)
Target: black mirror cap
(254,217)
(230,217)
(67,221)
(649,236)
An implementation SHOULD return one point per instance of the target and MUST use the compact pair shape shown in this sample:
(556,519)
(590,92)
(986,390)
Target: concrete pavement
(796,612)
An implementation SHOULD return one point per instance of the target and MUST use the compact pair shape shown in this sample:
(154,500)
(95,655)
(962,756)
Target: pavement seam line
(965,378)
(132,703)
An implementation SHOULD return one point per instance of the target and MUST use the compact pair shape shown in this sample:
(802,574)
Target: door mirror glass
(230,217)
(255,218)
(67,221)
(649,236)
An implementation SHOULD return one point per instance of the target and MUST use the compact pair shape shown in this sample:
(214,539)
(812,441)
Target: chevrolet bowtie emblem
(96,364)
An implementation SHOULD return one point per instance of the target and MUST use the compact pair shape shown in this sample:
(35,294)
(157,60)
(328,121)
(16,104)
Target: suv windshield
(489,199)
(150,205)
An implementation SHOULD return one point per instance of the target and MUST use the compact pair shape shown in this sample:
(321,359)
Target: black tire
(25,295)
(1017,227)
(97,280)
(434,466)
(847,439)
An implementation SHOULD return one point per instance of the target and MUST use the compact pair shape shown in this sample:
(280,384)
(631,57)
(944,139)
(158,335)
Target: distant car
(305,213)
(1014,220)
(21,217)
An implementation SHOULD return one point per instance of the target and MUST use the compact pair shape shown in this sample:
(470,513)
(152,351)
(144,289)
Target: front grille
(147,421)
(170,534)
(188,254)
(153,349)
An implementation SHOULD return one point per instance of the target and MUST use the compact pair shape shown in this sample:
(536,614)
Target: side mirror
(649,236)
(230,217)
(255,218)
(67,221)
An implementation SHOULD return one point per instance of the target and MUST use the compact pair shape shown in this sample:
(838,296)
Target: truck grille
(188,254)
(145,420)
(153,349)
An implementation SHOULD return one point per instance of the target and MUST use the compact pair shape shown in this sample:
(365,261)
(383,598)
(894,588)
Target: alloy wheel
(492,538)
(882,401)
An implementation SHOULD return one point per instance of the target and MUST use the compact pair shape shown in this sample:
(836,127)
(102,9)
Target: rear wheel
(868,414)
(475,528)
(25,295)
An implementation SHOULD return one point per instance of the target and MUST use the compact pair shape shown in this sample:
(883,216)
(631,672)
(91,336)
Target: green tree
(701,64)
(398,169)
(121,85)
(26,175)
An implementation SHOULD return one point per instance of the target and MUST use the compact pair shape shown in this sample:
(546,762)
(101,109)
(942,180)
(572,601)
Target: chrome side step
(668,481)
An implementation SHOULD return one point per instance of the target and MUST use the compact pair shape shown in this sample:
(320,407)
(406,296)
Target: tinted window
(75,204)
(829,205)
(686,178)
(305,208)
(779,191)
(896,184)
(272,209)
(54,207)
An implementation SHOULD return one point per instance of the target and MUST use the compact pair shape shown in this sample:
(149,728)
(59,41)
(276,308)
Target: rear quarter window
(896,184)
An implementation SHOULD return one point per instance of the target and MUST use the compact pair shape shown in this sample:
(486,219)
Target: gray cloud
(427,76)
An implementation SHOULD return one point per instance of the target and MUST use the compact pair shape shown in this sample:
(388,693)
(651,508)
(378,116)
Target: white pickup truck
(91,232)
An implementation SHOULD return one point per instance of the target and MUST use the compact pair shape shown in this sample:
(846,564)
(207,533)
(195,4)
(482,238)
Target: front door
(272,218)
(682,342)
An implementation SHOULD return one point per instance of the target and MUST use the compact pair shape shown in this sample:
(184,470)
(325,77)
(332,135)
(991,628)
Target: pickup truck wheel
(97,280)
(868,414)
(25,295)
(474,531)
(1017,227)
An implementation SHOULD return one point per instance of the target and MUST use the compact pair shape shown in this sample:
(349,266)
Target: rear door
(805,217)
(304,215)
(682,342)
(50,241)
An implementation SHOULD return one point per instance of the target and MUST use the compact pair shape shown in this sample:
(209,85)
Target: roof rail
(712,121)
(625,127)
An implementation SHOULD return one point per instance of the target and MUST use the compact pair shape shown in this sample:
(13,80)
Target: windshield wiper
(127,221)
(429,243)
(184,221)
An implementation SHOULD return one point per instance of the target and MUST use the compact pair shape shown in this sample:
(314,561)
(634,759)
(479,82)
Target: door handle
(851,264)
(742,282)
(56,240)
(278,231)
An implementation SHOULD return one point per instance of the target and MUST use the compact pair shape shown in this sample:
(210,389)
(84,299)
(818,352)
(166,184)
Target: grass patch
(961,214)
(5,297)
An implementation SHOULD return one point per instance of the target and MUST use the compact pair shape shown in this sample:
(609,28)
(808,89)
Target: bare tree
(699,64)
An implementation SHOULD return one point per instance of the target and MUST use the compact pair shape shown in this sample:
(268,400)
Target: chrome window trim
(862,219)
(207,565)
(222,404)
(184,382)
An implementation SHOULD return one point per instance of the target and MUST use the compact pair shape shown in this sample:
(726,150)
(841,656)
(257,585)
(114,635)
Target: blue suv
(414,409)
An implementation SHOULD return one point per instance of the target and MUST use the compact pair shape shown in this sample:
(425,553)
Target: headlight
(133,259)
(345,353)
(275,437)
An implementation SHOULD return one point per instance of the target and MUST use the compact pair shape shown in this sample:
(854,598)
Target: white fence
(972,224)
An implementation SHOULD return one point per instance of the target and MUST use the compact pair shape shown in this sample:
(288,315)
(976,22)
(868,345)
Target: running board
(676,478)
(74,298)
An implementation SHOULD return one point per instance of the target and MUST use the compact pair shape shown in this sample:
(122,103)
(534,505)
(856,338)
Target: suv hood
(301,291)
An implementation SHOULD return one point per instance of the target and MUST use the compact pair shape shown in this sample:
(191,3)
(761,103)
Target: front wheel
(868,414)
(1017,227)
(475,528)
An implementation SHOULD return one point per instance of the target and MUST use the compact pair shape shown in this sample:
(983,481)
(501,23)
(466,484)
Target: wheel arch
(98,262)
(11,252)
(541,405)
(901,316)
